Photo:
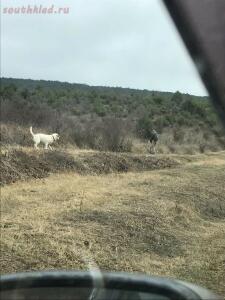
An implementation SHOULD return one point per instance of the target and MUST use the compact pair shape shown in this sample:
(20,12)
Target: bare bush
(109,134)
(202,147)
(172,148)
(15,135)
(178,135)
(115,135)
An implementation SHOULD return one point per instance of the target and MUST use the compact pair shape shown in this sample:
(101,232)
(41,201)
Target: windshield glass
(112,156)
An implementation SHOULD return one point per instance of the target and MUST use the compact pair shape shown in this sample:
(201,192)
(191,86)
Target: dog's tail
(31,131)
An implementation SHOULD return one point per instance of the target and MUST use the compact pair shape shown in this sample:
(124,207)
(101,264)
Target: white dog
(46,139)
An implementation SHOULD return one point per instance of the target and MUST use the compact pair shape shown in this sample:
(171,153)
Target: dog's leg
(154,144)
(152,148)
(46,146)
(148,146)
(36,145)
(50,147)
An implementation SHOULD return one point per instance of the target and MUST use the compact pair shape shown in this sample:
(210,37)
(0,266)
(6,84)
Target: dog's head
(55,136)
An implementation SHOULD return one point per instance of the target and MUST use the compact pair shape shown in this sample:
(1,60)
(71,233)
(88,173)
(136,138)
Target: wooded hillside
(104,117)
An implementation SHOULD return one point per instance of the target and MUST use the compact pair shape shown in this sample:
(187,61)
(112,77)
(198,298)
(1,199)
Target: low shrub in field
(178,135)
(202,147)
(16,135)
(110,134)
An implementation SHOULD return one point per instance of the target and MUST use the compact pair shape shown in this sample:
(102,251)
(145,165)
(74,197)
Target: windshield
(112,156)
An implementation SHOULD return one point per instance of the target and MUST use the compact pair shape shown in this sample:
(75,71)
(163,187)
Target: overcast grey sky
(128,43)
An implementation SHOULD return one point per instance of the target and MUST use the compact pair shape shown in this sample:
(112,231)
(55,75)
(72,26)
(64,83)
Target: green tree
(24,93)
(144,127)
(177,98)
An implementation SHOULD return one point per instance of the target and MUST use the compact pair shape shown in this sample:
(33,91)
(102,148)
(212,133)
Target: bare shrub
(188,150)
(115,136)
(14,134)
(178,135)
(172,148)
(202,147)
(109,134)
(161,150)
(212,147)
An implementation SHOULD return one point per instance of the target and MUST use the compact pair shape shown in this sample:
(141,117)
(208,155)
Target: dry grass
(24,163)
(179,140)
(183,141)
(163,222)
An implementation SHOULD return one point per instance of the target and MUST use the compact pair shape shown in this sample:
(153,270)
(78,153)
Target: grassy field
(167,222)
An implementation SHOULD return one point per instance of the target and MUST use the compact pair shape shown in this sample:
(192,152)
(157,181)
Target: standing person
(154,137)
